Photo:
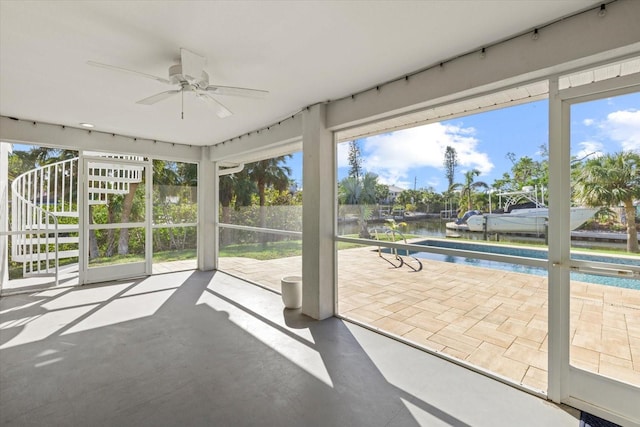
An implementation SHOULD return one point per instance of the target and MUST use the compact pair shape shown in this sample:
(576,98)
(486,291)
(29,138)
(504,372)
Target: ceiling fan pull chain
(182,93)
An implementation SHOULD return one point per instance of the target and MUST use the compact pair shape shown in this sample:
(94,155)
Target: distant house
(394,192)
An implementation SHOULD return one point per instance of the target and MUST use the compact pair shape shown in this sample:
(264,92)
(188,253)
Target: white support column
(5,149)
(318,218)
(559,245)
(148,191)
(83,220)
(207,212)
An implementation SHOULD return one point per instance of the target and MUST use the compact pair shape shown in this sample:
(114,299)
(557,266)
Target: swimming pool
(621,282)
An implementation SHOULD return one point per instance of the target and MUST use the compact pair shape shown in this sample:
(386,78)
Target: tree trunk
(263,211)
(225,237)
(93,240)
(111,235)
(127,206)
(632,231)
(364,230)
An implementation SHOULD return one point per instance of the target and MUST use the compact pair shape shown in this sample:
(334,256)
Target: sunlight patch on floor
(36,328)
(160,282)
(85,296)
(300,353)
(123,310)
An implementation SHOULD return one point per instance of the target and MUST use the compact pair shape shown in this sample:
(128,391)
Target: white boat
(531,219)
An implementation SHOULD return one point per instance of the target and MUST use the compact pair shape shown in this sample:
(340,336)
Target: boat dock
(579,236)
(600,236)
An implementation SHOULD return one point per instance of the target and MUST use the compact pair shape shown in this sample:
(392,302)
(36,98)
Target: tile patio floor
(493,319)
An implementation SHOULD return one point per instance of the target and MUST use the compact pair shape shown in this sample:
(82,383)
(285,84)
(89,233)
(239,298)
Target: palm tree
(362,192)
(611,180)
(225,194)
(237,188)
(269,172)
(469,185)
(187,176)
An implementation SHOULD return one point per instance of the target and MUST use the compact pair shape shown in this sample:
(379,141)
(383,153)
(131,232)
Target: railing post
(546,231)
(484,228)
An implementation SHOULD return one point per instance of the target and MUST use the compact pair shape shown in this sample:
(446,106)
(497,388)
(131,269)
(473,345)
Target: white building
(394,192)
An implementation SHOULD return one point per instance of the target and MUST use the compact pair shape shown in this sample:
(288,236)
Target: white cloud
(433,182)
(402,184)
(587,122)
(624,127)
(343,155)
(590,149)
(392,155)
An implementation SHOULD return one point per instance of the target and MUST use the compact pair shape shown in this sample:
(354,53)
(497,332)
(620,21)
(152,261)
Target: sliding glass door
(596,269)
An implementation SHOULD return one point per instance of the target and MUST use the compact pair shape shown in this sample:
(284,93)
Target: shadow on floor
(156,352)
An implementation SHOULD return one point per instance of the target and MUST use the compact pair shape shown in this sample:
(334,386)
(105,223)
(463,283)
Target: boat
(533,220)
(460,224)
(517,217)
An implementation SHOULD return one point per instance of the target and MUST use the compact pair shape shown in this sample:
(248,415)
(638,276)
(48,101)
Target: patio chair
(396,257)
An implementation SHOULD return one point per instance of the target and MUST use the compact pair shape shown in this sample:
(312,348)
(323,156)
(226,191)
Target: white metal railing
(35,230)
(109,178)
(37,247)
(3,210)
(43,195)
(53,185)
(4,223)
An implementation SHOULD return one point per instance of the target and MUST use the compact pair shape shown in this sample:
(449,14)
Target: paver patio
(493,319)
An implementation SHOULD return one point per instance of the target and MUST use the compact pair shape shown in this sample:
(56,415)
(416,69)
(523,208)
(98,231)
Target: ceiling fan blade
(192,64)
(125,70)
(220,110)
(158,97)
(237,91)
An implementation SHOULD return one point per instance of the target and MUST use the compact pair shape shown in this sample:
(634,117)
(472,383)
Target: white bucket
(291,291)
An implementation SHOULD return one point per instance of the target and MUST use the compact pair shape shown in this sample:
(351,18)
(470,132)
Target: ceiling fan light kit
(189,74)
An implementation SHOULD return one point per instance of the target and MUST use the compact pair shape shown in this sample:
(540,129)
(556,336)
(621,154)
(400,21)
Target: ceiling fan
(189,76)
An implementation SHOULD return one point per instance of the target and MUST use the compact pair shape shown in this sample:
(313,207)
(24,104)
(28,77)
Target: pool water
(621,282)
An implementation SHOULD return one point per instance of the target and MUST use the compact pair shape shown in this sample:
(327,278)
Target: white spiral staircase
(44,208)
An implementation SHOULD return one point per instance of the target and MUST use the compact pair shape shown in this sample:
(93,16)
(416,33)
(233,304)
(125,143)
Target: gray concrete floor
(204,348)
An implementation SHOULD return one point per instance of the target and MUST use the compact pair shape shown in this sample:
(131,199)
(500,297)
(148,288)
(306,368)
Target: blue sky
(415,156)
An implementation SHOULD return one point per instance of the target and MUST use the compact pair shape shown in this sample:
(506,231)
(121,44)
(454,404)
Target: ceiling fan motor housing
(176,77)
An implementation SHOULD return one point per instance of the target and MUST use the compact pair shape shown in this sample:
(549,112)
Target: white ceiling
(303,52)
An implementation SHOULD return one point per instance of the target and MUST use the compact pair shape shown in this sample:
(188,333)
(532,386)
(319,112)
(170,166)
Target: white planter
(291,291)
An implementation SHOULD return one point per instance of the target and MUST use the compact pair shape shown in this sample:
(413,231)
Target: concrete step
(43,256)
(66,240)
(66,214)
(107,191)
(42,273)
(67,228)
(42,241)
(127,180)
